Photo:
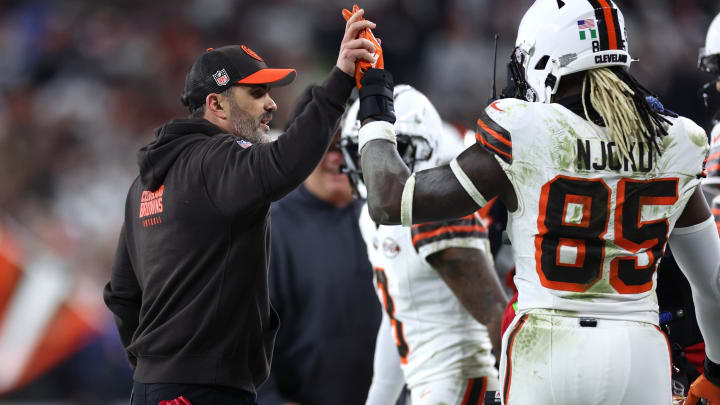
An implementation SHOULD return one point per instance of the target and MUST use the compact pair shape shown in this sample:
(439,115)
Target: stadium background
(84,83)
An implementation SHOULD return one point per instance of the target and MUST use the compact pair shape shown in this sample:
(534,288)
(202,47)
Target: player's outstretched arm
(475,283)
(385,175)
(696,247)
(437,194)
(394,195)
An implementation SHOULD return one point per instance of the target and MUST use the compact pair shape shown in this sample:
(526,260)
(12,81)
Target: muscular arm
(470,276)
(438,194)
(696,247)
(696,210)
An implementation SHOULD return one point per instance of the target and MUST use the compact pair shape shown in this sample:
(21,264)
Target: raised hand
(362,65)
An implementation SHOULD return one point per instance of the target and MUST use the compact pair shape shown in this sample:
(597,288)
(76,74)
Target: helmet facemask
(351,156)
(709,63)
(709,59)
(413,149)
(418,128)
(517,85)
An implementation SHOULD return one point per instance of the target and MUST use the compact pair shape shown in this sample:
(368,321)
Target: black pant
(153,394)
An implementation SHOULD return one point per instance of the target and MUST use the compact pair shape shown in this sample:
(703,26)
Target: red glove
(703,388)
(181,400)
(361,66)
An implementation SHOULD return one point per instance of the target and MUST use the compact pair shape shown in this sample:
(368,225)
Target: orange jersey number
(389,306)
(583,233)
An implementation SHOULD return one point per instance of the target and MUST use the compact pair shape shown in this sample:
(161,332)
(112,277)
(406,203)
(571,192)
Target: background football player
(708,385)
(709,61)
(426,331)
(597,180)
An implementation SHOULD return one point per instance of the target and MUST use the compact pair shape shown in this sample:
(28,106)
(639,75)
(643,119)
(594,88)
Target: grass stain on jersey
(575,215)
(699,139)
(563,137)
(585,296)
(531,344)
(602,287)
(667,143)
(564,312)
(514,108)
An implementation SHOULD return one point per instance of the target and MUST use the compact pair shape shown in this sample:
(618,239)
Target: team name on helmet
(611,58)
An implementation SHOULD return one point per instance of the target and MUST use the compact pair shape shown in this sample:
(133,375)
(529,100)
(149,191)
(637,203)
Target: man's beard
(246,127)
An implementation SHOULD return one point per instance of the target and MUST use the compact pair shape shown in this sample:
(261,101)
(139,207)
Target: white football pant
(453,391)
(553,360)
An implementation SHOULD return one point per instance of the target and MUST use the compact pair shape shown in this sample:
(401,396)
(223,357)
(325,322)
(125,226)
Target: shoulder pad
(496,123)
(688,146)
(692,131)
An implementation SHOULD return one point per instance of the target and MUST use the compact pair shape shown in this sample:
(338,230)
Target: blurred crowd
(83,84)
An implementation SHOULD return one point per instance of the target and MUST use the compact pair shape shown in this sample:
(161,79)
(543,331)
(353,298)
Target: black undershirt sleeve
(240,178)
(288,161)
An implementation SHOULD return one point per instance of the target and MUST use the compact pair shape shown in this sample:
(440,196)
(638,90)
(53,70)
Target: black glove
(376,96)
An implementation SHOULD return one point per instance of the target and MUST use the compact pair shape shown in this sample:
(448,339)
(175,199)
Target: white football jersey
(712,181)
(715,136)
(435,335)
(590,225)
(715,208)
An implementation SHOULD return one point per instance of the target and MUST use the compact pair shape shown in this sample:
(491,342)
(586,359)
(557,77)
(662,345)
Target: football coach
(189,282)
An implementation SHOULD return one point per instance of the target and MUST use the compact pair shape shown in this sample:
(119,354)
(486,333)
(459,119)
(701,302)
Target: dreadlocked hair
(622,104)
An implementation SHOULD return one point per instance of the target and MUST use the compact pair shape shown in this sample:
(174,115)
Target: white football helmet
(560,37)
(709,59)
(418,127)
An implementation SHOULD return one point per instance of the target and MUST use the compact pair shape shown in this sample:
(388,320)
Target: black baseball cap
(219,68)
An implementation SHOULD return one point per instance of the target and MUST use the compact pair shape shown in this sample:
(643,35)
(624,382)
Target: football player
(709,61)
(597,180)
(443,351)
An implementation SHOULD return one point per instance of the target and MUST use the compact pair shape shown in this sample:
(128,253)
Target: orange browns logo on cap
(251,53)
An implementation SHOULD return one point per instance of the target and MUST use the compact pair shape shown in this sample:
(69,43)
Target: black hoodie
(189,283)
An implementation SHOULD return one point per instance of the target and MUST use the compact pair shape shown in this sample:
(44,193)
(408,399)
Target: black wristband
(712,371)
(376,96)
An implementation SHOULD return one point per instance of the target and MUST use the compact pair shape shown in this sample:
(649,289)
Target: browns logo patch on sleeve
(466,227)
(494,138)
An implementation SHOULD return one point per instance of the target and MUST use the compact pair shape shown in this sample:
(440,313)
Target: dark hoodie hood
(156,158)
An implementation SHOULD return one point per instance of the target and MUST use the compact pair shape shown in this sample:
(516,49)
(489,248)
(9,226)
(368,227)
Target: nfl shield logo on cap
(221,77)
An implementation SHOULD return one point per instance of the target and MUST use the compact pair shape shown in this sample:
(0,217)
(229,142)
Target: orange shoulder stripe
(494,133)
(713,156)
(448,229)
(486,143)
